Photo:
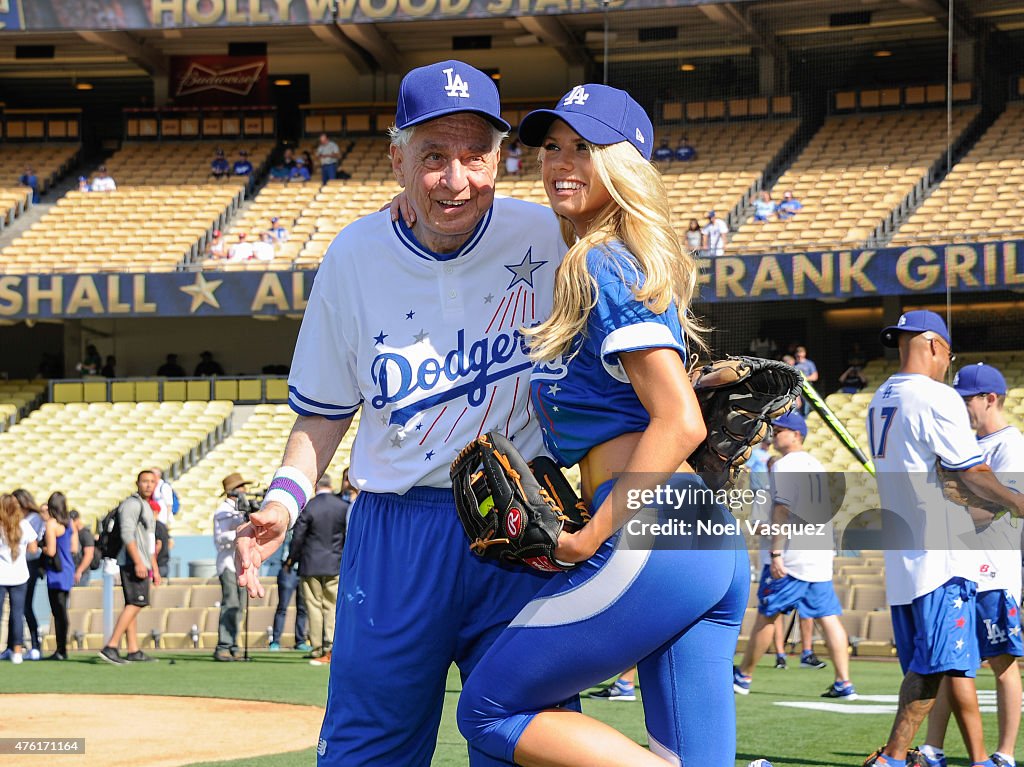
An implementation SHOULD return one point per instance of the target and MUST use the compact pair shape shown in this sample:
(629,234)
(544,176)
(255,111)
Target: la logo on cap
(456,87)
(578,95)
(956,379)
(640,136)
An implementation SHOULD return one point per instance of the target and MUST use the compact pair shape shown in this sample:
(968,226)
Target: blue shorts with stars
(998,623)
(935,633)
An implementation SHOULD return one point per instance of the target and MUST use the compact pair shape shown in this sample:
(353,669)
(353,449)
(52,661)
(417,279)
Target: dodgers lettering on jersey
(800,483)
(1000,560)
(429,348)
(585,398)
(912,422)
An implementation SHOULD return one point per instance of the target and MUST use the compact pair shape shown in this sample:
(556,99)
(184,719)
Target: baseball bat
(830,418)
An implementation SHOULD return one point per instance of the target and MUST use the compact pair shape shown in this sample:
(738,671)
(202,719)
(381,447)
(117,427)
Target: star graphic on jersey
(960,623)
(397,440)
(202,292)
(1014,631)
(379,339)
(1012,611)
(409,314)
(430,455)
(958,603)
(554,409)
(421,336)
(554,389)
(488,298)
(524,270)
(419,426)
(959,644)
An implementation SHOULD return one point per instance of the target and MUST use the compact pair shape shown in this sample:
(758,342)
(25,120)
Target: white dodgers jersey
(1000,566)
(429,348)
(914,421)
(799,482)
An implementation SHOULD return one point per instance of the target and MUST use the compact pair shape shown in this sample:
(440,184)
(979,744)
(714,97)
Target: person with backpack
(165,496)
(136,528)
(87,559)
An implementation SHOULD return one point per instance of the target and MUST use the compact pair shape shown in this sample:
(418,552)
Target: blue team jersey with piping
(584,398)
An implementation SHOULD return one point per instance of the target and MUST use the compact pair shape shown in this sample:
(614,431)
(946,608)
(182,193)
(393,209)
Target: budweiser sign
(219,79)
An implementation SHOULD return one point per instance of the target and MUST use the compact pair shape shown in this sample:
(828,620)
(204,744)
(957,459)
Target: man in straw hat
(226,520)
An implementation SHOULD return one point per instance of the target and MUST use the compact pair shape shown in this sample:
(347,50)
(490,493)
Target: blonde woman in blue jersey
(611,392)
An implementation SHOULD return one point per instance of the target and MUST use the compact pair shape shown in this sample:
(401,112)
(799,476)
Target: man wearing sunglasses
(914,423)
(983,390)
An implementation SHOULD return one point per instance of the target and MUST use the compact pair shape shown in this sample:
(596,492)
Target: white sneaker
(15,658)
(34,654)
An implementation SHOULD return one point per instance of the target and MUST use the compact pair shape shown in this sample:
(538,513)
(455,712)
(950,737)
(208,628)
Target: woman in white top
(17,538)
(30,510)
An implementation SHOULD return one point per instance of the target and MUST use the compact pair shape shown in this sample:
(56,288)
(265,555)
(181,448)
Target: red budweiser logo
(239,80)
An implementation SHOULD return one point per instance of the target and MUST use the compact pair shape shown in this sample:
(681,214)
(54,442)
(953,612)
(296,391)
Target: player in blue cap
(417,326)
(998,622)
(916,422)
(796,570)
(611,389)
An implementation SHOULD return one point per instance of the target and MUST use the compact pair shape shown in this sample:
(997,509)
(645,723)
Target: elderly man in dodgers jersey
(915,420)
(998,622)
(419,327)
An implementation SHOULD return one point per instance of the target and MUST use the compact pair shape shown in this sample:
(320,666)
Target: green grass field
(789,736)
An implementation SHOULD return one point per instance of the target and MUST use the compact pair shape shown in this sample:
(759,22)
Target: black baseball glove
(739,397)
(512,510)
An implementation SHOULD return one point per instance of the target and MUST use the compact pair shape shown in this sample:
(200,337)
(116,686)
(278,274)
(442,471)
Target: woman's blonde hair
(638,216)
(10,523)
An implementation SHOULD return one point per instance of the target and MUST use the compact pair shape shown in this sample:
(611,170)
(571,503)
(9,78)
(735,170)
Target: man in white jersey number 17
(914,422)
(983,389)
(418,326)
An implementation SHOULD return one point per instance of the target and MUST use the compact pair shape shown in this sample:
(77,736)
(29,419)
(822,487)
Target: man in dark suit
(317,541)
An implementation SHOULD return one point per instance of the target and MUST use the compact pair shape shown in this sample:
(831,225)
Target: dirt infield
(155,731)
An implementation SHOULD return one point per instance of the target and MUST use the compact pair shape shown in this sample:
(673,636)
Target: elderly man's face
(448,171)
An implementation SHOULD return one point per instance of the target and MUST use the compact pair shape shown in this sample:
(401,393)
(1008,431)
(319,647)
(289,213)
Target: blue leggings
(675,613)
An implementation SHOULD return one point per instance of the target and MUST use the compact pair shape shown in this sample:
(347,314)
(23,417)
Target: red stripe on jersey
(518,292)
(484,419)
(496,314)
(434,424)
(456,423)
(512,407)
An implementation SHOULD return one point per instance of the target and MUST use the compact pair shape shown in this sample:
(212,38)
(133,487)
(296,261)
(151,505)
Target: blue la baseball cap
(599,113)
(979,379)
(792,421)
(445,88)
(919,321)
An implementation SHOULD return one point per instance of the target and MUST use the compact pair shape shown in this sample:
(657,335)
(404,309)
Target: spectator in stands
(208,366)
(109,369)
(810,373)
(86,549)
(694,236)
(60,545)
(788,207)
(764,206)
(30,510)
(288,158)
(220,169)
(171,368)
(685,152)
(764,348)
(216,247)
(164,544)
(83,184)
(226,521)
(288,584)
(715,236)
(17,540)
(664,152)
(92,362)
(241,250)
(137,560)
(164,496)
(329,155)
(278,229)
(102,182)
(31,180)
(316,545)
(514,159)
(300,172)
(852,380)
(263,248)
(242,166)
(279,172)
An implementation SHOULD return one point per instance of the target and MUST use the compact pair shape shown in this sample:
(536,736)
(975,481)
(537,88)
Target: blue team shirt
(584,398)
(219,165)
(242,168)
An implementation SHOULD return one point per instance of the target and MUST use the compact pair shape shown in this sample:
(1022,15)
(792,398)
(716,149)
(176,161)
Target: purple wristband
(291,487)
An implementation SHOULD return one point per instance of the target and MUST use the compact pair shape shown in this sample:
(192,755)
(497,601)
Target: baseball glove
(957,491)
(739,397)
(511,510)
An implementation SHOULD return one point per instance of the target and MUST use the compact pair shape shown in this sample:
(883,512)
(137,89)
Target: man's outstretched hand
(256,541)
